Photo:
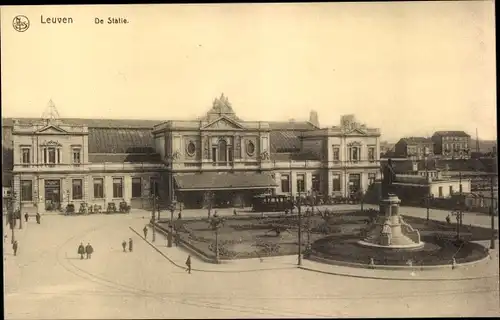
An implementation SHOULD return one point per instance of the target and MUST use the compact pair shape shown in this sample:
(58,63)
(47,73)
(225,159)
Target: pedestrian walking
(89,250)
(26,216)
(179,216)
(124,245)
(448,220)
(234,212)
(14,247)
(145,230)
(81,250)
(188,264)
(130,244)
(38,217)
(177,239)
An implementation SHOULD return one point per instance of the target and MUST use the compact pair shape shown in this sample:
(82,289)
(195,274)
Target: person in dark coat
(26,216)
(38,217)
(130,244)
(188,264)
(89,250)
(145,230)
(179,216)
(177,239)
(81,250)
(234,212)
(14,247)
(124,246)
(448,220)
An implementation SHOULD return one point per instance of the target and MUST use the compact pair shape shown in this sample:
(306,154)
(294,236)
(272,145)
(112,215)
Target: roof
(451,133)
(286,146)
(407,166)
(126,157)
(416,140)
(120,140)
(218,181)
(92,123)
(291,125)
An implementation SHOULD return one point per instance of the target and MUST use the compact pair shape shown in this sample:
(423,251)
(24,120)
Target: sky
(408,68)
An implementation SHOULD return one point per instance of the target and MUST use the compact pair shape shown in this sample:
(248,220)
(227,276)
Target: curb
(395,278)
(203,270)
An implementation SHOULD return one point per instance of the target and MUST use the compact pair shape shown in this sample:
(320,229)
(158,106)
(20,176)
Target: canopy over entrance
(223,181)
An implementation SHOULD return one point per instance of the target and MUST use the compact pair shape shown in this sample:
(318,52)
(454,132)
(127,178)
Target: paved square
(47,279)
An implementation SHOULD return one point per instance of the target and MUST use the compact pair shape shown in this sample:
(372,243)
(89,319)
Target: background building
(451,144)
(414,147)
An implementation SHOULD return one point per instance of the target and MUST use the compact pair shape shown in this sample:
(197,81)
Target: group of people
(85,250)
(15,244)
(37,217)
(130,245)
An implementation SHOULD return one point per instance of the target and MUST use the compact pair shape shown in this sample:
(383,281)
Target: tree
(216,223)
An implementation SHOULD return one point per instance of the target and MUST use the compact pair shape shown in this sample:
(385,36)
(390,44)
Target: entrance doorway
(52,195)
(354,183)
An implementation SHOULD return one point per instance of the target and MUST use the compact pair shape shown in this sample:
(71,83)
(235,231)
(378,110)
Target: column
(16,189)
(127,188)
(308,181)
(86,189)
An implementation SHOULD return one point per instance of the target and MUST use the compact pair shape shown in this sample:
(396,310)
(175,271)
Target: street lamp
(300,230)
(492,212)
(462,155)
(428,198)
(170,235)
(153,217)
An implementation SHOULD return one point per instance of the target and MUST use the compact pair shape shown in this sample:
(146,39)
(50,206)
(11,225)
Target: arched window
(222,152)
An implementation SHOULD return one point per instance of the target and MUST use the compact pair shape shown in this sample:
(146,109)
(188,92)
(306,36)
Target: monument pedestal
(389,230)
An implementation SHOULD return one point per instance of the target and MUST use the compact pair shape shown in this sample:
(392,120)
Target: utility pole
(300,232)
(492,212)
(428,183)
(171,226)
(153,217)
(20,202)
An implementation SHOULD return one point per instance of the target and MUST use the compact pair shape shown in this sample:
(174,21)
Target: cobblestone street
(51,281)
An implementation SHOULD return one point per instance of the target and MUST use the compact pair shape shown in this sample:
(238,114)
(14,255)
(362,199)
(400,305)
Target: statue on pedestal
(388,179)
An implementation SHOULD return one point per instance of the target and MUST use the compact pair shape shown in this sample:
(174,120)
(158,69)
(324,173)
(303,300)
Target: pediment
(51,129)
(355,132)
(223,123)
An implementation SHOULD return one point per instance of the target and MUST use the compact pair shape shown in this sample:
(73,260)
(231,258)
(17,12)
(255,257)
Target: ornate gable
(350,126)
(223,123)
(221,107)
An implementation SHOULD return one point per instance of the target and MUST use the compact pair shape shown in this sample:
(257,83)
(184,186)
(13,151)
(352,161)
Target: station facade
(218,159)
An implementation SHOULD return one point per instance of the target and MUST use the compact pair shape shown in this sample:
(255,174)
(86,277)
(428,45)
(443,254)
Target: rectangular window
(460,188)
(336,153)
(440,190)
(371,153)
(354,153)
(52,155)
(26,190)
(315,183)
(136,187)
(451,190)
(285,183)
(336,182)
(214,154)
(229,154)
(371,178)
(98,188)
(301,183)
(117,188)
(77,189)
(26,159)
(77,155)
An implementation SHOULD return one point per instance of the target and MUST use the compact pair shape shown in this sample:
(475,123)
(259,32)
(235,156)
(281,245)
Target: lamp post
(492,212)
(153,218)
(462,156)
(170,235)
(300,230)
(428,197)
(11,217)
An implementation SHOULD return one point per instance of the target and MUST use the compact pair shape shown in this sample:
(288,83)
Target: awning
(223,181)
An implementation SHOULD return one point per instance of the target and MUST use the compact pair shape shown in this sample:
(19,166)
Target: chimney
(313,118)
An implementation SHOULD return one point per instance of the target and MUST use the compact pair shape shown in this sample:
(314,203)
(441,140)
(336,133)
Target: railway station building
(218,159)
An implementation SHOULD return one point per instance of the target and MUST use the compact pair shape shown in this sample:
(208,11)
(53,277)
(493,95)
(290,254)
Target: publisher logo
(21,23)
